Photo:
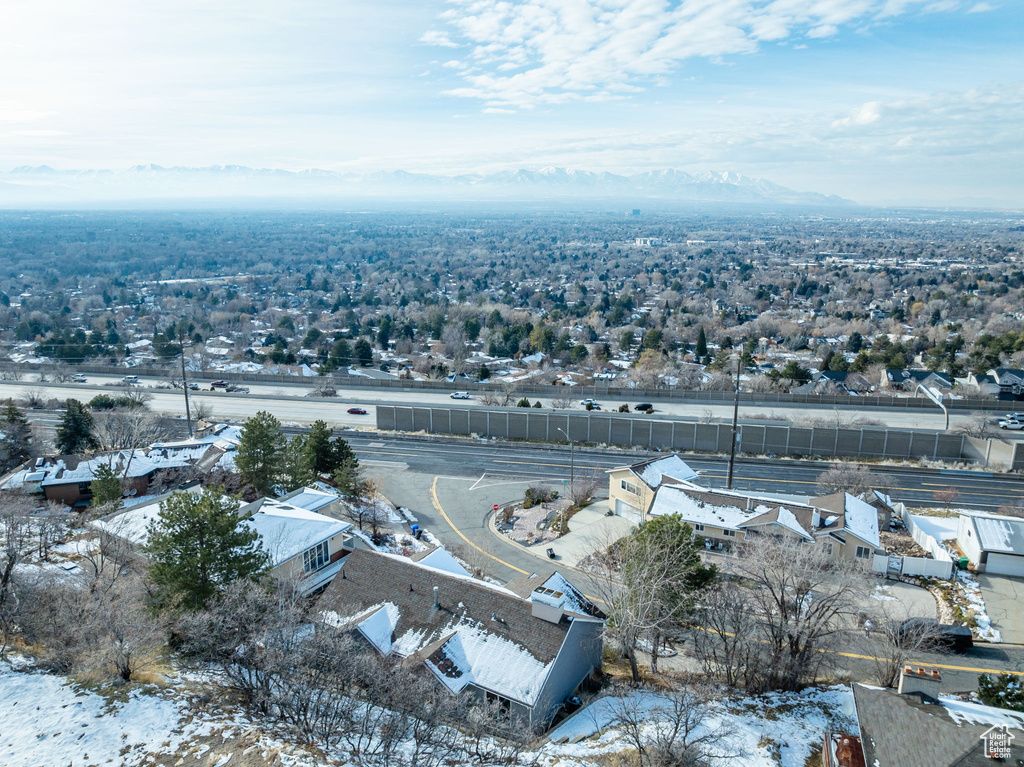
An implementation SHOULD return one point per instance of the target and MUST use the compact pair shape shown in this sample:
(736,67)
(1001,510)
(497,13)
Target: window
(315,558)
(698,528)
(503,704)
(629,487)
(863,552)
(729,533)
(827,547)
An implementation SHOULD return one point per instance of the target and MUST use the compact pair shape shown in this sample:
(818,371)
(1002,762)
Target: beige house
(726,519)
(301,543)
(631,489)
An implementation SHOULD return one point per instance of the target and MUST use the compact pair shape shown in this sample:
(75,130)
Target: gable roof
(657,471)
(737,511)
(928,734)
(999,534)
(478,634)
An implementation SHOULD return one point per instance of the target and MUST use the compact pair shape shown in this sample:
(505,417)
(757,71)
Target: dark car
(644,407)
(941,636)
(356,411)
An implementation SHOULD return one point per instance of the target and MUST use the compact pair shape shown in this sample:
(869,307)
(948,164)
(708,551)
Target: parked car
(78,378)
(644,407)
(356,411)
(948,637)
(1011,423)
(127,380)
(459,395)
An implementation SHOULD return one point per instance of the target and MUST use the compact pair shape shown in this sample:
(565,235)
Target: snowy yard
(766,731)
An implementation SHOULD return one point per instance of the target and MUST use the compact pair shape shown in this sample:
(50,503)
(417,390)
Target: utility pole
(572,460)
(735,420)
(184,386)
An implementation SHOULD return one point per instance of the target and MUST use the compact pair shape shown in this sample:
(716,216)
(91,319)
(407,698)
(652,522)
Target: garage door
(1005,564)
(631,513)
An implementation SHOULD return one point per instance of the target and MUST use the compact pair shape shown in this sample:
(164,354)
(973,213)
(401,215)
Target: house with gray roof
(993,543)
(526,646)
(917,727)
(631,488)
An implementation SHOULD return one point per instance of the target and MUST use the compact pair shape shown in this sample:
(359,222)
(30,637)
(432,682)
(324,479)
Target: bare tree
(61,372)
(978,428)
(847,478)
(582,489)
(202,410)
(503,396)
(16,541)
(137,396)
(562,402)
(724,636)
(454,339)
(678,730)
(901,638)
(34,398)
(128,429)
(324,387)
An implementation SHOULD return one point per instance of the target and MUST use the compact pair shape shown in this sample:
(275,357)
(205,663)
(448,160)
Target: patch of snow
(964,712)
(971,590)
(939,528)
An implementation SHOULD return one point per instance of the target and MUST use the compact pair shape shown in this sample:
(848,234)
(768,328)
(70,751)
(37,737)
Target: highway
(274,397)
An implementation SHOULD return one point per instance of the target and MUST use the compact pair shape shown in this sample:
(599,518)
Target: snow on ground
(971,590)
(776,730)
(939,528)
(47,721)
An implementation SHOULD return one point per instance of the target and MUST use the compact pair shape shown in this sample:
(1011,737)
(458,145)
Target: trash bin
(962,563)
(551,553)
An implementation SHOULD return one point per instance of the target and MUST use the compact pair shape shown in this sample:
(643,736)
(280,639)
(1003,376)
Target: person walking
(868,625)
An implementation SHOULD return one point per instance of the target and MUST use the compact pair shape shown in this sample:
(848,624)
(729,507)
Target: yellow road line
(437,505)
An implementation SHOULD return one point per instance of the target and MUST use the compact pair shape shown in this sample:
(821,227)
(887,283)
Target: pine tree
(296,470)
(349,478)
(75,430)
(16,439)
(106,487)
(363,352)
(322,456)
(260,452)
(702,343)
(198,546)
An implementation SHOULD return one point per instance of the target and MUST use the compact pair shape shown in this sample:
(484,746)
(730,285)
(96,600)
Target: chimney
(815,518)
(437,604)
(920,681)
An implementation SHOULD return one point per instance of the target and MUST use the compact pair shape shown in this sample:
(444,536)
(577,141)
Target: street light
(735,420)
(572,460)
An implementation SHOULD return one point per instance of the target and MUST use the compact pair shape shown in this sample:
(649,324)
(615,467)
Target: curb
(492,527)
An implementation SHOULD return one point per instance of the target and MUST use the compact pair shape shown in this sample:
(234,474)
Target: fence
(623,393)
(929,568)
(645,432)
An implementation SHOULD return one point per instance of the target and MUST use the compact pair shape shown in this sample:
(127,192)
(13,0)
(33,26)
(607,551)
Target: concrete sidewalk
(590,529)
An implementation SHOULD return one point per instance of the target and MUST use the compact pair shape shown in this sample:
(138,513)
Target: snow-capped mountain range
(43,184)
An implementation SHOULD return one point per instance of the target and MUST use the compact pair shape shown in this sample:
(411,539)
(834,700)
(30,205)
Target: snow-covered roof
(310,498)
(440,559)
(1000,534)
(861,519)
(678,500)
(654,473)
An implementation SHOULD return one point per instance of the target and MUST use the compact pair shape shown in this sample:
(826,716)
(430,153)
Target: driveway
(895,600)
(1003,597)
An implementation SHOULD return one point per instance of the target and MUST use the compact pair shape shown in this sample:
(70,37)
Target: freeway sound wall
(643,432)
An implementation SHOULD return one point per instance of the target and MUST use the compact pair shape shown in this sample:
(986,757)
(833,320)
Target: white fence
(925,541)
(929,568)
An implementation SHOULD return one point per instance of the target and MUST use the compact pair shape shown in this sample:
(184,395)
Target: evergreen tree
(198,546)
(321,454)
(75,430)
(349,478)
(106,487)
(363,352)
(296,470)
(702,343)
(483,373)
(16,439)
(260,452)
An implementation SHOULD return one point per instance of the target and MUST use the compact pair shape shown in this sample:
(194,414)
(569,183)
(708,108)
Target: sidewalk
(589,530)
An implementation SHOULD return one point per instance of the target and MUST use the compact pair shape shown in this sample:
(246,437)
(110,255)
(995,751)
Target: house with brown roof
(526,646)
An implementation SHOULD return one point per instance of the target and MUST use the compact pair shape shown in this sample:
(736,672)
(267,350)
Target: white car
(1011,423)
(78,378)
(591,402)
(1015,416)
(459,395)
(128,380)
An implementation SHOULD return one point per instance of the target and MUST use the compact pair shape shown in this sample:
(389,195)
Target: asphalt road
(288,403)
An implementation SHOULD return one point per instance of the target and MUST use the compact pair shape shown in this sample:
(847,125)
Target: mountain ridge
(151,180)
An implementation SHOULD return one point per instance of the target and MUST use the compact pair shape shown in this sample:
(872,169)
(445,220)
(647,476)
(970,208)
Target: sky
(879,101)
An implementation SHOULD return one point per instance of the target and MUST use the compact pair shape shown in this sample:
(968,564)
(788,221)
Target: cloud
(536,52)
(982,8)
(440,39)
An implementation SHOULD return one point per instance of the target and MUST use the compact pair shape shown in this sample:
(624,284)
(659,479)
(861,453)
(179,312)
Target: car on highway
(130,380)
(78,378)
(459,395)
(644,407)
(193,386)
(356,411)
(1011,423)
(1015,416)
(237,389)
(218,385)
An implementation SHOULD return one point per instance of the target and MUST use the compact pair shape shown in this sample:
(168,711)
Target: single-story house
(909,380)
(631,488)
(725,519)
(526,646)
(847,380)
(300,543)
(916,727)
(992,543)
